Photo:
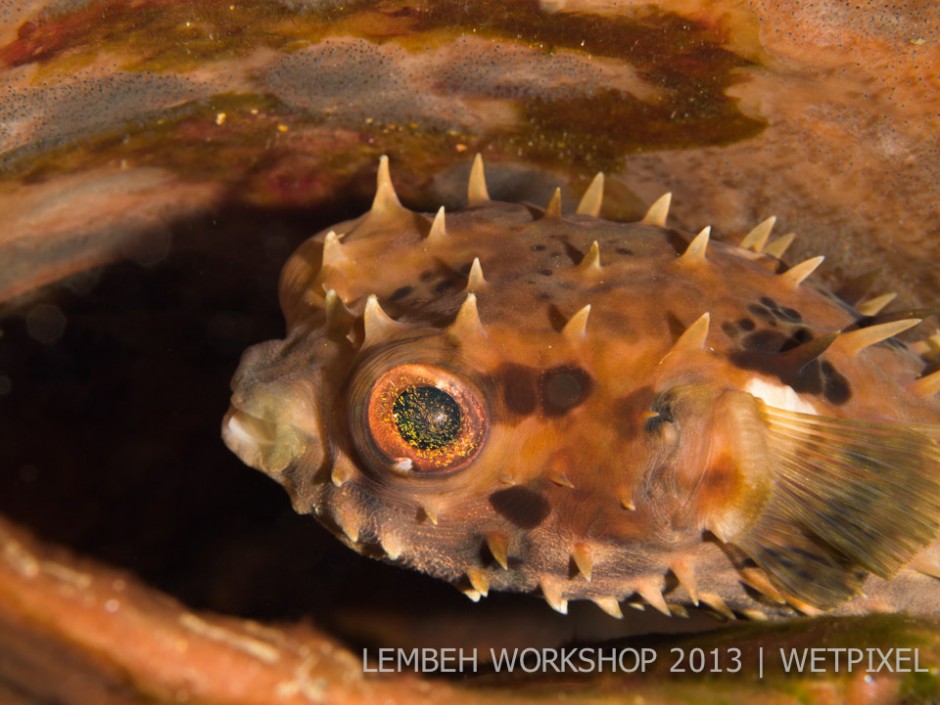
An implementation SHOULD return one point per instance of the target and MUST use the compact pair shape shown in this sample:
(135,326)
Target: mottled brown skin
(751,459)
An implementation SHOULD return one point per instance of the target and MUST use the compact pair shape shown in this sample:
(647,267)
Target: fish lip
(267,432)
(240,426)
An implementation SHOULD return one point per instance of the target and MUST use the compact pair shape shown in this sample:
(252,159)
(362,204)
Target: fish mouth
(262,436)
(246,434)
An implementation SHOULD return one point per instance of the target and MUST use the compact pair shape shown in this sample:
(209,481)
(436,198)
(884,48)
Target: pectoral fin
(800,564)
(848,497)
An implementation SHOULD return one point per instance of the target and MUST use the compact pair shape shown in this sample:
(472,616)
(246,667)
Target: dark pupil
(427,418)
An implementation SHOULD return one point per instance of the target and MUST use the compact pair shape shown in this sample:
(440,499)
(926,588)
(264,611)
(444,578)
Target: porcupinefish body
(514,398)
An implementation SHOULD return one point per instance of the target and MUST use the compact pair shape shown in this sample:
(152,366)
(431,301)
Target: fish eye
(425,420)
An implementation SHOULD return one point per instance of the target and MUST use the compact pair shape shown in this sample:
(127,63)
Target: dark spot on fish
(765,341)
(564,388)
(523,507)
(542,295)
(537,248)
(728,329)
(623,251)
(780,314)
(517,384)
(768,302)
(806,380)
(400,293)
(426,276)
(792,314)
(799,336)
(836,387)
(765,351)
(546,272)
(746,324)
(443,286)
(763,313)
